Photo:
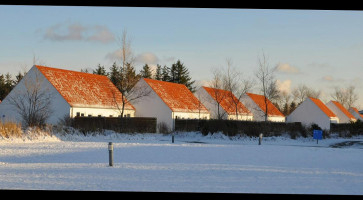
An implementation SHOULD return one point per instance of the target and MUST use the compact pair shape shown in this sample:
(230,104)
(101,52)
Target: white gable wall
(211,104)
(59,106)
(153,106)
(355,114)
(308,113)
(343,118)
(258,113)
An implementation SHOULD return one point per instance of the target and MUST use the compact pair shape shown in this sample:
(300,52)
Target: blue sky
(319,48)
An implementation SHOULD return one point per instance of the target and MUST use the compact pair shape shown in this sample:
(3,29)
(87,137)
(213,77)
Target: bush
(163,128)
(10,129)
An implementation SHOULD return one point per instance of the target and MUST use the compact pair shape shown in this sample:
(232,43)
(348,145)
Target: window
(82,114)
(99,116)
(78,114)
(89,115)
(128,115)
(111,115)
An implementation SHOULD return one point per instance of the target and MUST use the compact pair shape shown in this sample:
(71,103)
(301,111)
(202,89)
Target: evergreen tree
(158,75)
(114,74)
(100,70)
(6,85)
(165,73)
(180,74)
(292,106)
(18,78)
(146,71)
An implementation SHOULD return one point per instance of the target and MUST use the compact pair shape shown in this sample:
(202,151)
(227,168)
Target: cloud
(328,78)
(286,68)
(76,31)
(283,86)
(147,58)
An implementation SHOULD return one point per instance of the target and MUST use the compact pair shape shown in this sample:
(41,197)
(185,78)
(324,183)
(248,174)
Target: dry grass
(10,129)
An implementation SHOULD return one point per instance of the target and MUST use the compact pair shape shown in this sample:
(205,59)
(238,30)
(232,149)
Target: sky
(322,49)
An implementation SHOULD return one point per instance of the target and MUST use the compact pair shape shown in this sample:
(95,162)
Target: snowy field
(193,163)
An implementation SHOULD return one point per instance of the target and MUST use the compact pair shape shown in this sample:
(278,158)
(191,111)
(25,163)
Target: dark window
(78,114)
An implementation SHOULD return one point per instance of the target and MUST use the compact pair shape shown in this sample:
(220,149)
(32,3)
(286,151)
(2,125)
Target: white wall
(210,104)
(258,113)
(343,118)
(104,112)
(355,114)
(59,106)
(152,106)
(308,113)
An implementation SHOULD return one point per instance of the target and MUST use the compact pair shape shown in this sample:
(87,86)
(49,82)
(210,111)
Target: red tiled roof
(83,89)
(227,101)
(260,101)
(345,111)
(356,110)
(323,107)
(176,96)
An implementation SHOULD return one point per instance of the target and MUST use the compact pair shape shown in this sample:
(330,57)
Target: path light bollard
(110,153)
(172,137)
(260,139)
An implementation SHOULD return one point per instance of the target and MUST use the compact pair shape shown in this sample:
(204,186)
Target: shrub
(10,129)
(163,128)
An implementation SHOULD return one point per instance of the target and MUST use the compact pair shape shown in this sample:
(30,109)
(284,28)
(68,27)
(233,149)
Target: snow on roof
(353,108)
(260,101)
(345,111)
(323,107)
(81,89)
(227,101)
(176,96)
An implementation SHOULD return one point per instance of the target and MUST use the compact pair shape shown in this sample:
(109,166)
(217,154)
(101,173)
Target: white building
(222,104)
(313,111)
(168,101)
(72,93)
(256,104)
(343,114)
(354,111)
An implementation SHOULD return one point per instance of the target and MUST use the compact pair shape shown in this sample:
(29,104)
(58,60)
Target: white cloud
(147,58)
(286,68)
(328,78)
(76,31)
(284,86)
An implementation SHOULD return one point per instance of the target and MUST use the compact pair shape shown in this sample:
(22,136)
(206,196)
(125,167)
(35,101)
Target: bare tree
(302,92)
(237,86)
(133,96)
(217,84)
(126,77)
(33,103)
(266,79)
(345,96)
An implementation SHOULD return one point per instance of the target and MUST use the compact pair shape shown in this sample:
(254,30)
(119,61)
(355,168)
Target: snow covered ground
(193,163)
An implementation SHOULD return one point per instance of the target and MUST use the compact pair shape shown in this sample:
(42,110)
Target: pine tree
(165,73)
(180,74)
(100,70)
(158,75)
(146,71)
(114,74)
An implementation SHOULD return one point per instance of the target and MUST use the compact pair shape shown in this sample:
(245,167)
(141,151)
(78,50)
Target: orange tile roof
(260,101)
(345,111)
(83,89)
(227,101)
(176,96)
(356,110)
(323,107)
